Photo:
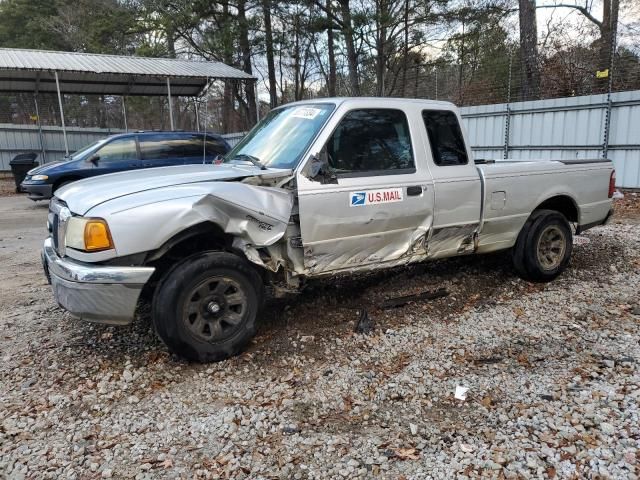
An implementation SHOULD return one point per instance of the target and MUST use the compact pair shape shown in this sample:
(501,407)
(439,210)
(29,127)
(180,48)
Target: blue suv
(128,151)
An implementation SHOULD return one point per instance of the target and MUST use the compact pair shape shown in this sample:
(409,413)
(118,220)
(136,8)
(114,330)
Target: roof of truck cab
(378,101)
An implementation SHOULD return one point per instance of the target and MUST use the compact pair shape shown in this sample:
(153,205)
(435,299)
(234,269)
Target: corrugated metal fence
(560,128)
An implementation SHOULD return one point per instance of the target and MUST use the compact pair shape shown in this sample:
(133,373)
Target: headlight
(88,234)
(40,177)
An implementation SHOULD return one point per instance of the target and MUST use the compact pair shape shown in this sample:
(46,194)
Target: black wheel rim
(215,309)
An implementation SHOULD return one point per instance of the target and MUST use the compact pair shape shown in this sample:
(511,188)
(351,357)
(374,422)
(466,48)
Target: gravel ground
(552,373)
(7,185)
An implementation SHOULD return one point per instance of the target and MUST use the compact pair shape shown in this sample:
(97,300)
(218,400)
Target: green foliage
(27,24)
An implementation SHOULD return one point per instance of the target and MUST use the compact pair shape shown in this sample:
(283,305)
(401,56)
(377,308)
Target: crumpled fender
(256,216)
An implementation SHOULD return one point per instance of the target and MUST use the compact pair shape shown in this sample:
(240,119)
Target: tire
(205,307)
(543,248)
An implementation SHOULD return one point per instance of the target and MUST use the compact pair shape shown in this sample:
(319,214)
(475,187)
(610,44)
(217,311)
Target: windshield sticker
(308,113)
(375,197)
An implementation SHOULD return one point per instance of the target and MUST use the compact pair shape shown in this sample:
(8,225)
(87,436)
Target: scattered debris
(364,324)
(461,392)
(487,360)
(581,240)
(395,302)
(406,453)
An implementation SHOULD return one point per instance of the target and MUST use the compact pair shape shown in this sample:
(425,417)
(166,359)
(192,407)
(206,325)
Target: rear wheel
(205,308)
(544,246)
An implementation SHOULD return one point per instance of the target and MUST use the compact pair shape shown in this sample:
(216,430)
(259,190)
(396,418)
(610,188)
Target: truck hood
(86,194)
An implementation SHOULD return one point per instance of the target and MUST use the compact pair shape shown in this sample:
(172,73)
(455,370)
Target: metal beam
(257,101)
(195,104)
(64,128)
(40,135)
(170,105)
(124,114)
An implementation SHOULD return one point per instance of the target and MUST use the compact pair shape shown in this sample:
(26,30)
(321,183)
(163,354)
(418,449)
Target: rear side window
(370,141)
(162,147)
(445,137)
(215,147)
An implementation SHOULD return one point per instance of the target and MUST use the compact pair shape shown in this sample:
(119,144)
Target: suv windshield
(92,147)
(282,137)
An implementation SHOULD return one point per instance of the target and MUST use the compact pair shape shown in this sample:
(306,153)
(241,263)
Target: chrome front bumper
(96,293)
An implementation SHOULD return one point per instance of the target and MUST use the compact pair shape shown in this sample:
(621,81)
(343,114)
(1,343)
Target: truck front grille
(54,230)
(58,215)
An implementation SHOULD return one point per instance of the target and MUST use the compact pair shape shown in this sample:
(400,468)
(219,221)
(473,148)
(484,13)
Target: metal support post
(195,104)
(170,104)
(436,83)
(607,118)
(124,114)
(507,121)
(64,128)
(257,101)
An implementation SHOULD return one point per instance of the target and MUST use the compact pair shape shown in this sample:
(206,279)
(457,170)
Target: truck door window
(445,137)
(369,142)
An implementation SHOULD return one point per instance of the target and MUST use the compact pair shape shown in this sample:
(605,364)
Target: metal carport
(34,71)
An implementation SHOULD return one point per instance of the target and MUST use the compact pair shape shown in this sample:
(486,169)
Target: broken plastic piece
(400,301)
(580,240)
(461,392)
(364,324)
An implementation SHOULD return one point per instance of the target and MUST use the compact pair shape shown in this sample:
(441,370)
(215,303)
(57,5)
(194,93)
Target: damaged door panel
(380,208)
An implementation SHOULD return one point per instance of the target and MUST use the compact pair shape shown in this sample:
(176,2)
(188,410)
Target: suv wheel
(205,307)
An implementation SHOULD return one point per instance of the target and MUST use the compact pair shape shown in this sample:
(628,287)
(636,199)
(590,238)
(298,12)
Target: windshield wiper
(255,160)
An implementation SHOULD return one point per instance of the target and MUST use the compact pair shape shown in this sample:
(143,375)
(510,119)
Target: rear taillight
(612,183)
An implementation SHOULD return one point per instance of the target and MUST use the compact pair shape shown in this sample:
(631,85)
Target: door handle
(414,190)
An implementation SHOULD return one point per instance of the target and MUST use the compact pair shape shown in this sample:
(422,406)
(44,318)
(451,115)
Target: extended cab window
(445,137)
(370,141)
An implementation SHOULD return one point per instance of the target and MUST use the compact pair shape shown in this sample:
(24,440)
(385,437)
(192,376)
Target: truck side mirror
(318,169)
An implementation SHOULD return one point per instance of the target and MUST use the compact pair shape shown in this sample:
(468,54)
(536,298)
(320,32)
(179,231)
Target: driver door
(375,204)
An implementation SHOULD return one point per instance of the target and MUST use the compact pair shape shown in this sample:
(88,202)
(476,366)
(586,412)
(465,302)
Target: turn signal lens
(97,236)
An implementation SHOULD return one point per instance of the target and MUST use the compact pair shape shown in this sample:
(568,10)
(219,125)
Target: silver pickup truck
(318,188)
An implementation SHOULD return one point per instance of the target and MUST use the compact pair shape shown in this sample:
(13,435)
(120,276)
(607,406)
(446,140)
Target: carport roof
(87,73)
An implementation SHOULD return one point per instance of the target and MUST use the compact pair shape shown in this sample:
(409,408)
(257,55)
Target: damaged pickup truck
(317,188)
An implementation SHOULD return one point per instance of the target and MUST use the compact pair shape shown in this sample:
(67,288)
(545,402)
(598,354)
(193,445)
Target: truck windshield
(282,137)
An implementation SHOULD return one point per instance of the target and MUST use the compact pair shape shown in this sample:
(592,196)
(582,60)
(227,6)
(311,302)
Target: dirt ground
(50,362)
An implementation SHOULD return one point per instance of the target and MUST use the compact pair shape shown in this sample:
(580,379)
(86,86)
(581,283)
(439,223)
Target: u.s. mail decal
(375,197)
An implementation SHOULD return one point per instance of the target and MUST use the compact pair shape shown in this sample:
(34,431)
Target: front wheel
(544,246)
(205,307)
